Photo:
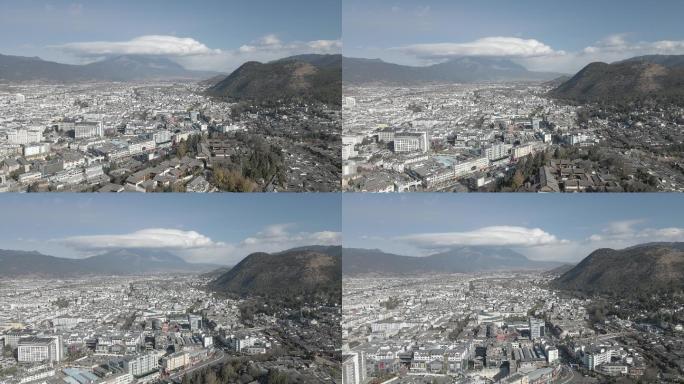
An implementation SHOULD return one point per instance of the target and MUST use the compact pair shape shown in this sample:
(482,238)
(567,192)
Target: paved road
(571,375)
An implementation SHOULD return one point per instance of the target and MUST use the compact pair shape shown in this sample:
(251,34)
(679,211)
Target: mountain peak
(643,268)
(301,271)
(303,77)
(655,77)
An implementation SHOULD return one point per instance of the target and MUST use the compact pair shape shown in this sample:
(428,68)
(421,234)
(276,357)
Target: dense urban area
(151,136)
(504,328)
(505,137)
(154,329)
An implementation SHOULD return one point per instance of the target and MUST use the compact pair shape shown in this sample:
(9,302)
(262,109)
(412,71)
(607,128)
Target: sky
(216,228)
(216,35)
(545,35)
(554,227)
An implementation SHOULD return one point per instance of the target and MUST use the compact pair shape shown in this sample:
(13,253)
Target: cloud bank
(198,248)
(536,55)
(504,236)
(626,233)
(489,46)
(193,54)
(144,45)
(146,238)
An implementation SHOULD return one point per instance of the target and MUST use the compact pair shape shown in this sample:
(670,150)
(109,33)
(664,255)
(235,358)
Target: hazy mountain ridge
(357,261)
(644,268)
(303,77)
(116,262)
(654,77)
(304,271)
(115,68)
(457,70)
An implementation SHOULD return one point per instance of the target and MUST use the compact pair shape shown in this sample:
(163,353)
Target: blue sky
(43,28)
(545,227)
(217,228)
(615,28)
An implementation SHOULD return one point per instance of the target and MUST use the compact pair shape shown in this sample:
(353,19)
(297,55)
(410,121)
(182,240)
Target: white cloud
(270,39)
(627,232)
(325,45)
(267,48)
(538,56)
(509,236)
(279,234)
(145,238)
(198,248)
(193,54)
(487,46)
(143,45)
(271,43)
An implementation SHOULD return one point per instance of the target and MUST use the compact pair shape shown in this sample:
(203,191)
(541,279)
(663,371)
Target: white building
(348,102)
(473,165)
(411,141)
(139,146)
(87,129)
(175,361)
(551,354)
(593,359)
(143,364)
(498,151)
(36,349)
(36,149)
(353,368)
(24,136)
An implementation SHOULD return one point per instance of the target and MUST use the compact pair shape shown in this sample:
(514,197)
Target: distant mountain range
(117,68)
(117,262)
(358,261)
(307,271)
(304,77)
(457,70)
(641,269)
(658,78)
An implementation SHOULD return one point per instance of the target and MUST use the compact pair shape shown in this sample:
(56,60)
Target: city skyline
(542,36)
(541,226)
(217,35)
(218,229)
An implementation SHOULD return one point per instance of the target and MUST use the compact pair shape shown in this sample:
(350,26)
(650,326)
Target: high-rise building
(195,322)
(353,368)
(551,354)
(536,328)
